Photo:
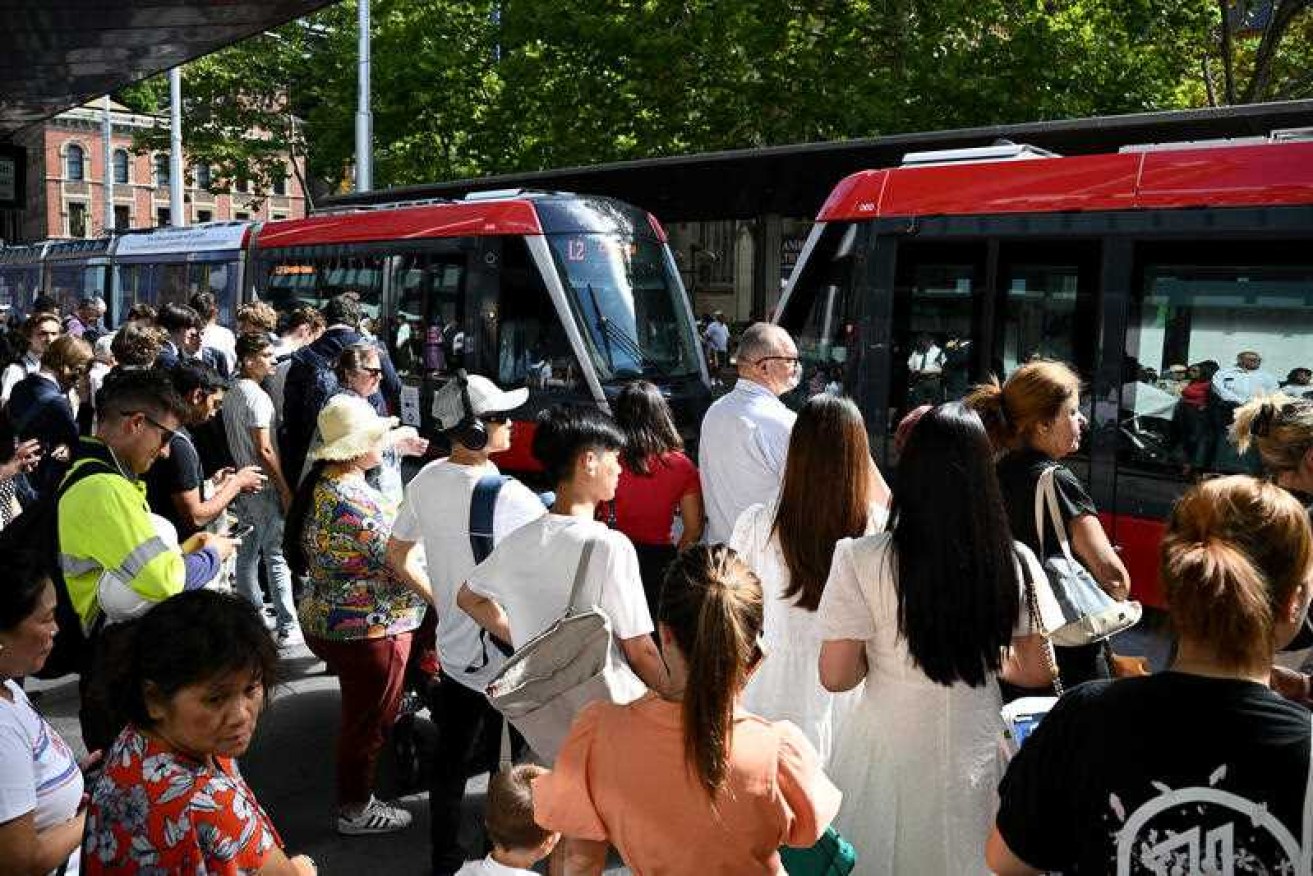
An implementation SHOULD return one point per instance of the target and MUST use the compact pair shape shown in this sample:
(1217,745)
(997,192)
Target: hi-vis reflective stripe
(131,566)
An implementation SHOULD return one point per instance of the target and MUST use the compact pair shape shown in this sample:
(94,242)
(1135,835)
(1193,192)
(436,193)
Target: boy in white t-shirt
(436,513)
(517,841)
(524,586)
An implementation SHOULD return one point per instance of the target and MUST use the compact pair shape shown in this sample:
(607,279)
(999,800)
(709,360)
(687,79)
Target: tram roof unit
(182,243)
(490,213)
(88,249)
(795,180)
(24,253)
(1272,173)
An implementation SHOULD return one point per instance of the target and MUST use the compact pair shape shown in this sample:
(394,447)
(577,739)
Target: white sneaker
(376,817)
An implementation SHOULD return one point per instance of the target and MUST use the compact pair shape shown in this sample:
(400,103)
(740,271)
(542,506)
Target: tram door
(963,311)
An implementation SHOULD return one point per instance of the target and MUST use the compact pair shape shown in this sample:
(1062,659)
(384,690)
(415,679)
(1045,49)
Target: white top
(489,867)
(718,336)
(38,772)
(277,383)
(247,407)
(787,687)
(16,371)
(436,511)
(929,362)
(222,339)
(917,761)
(745,441)
(531,572)
(1236,385)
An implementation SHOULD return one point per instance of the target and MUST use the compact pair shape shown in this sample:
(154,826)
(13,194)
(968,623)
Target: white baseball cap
(485,398)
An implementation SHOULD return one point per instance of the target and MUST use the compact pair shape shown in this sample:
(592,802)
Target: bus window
(935,293)
(824,309)
(1204,336)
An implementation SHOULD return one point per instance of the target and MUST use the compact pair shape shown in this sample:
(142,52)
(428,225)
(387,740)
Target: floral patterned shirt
(155,812)
(351,593)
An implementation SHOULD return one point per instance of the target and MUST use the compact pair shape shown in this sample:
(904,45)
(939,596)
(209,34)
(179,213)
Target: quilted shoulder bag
(574,662)
(1090,615)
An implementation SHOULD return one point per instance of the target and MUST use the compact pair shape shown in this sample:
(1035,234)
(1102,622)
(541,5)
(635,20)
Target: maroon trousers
(372,675)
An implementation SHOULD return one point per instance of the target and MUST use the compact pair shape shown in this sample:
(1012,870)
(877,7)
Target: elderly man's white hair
(761,339)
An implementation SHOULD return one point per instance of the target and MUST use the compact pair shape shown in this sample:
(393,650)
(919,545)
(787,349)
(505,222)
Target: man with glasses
(442,501)
(248,419)
(745,434)
(115,562)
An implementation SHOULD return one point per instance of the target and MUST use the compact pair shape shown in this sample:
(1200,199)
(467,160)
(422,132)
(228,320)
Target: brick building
(65,180)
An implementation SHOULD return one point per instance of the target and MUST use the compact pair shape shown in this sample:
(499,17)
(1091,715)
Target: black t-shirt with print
(1018,474)
(179,472)
(1160,775)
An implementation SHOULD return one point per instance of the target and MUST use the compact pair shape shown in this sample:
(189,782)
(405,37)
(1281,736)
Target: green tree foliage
(478,87)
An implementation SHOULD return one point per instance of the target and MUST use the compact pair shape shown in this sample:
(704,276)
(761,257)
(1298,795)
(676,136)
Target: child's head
(509,814)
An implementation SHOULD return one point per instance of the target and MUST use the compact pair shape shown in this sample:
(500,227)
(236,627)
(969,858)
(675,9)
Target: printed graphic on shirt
(1204,830)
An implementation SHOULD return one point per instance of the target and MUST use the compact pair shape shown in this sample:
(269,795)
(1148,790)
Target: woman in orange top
(690,783)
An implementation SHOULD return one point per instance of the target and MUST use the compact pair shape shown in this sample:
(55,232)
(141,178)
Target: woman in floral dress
(356,614)
(192,681)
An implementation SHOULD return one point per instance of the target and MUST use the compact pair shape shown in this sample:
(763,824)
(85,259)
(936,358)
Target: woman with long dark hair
(928,615)
(657,481)
(1215,776)
(829,492)
(686,781)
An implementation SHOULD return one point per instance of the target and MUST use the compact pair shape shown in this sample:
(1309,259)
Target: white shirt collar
(493,868)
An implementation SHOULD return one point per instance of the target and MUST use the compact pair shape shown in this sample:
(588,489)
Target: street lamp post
(364,117)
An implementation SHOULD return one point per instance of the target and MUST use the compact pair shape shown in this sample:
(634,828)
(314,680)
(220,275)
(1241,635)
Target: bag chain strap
(1036,623)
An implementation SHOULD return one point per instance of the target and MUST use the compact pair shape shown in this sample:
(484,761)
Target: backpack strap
(580,573)
(483,506)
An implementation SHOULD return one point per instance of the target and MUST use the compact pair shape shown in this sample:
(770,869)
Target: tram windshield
(626,296)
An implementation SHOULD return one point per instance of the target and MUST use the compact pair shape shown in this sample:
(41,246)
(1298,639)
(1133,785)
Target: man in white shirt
(437,512)
(39,329)
(925,372)
(745,434)
(1242,381)
(718,341)
(214,336)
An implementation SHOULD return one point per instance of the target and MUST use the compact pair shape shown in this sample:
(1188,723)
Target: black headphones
(470,431)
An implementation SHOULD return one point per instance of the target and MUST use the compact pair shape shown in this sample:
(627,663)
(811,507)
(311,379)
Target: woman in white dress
(929,615)
(831,490)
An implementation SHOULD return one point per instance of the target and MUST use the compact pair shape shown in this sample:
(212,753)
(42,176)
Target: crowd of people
(824,656)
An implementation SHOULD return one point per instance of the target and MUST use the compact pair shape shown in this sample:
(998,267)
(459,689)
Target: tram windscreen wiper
(627,344)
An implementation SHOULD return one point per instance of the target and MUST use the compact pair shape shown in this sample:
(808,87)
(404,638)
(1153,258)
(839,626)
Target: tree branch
(1228,53)
(1283,13)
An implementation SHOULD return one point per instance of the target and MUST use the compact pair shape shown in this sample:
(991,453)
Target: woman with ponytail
(1034,421)
(689,782)
(1215,754)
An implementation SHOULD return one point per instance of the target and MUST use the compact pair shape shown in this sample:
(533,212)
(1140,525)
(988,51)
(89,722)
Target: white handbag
(543,685)
(1090,615)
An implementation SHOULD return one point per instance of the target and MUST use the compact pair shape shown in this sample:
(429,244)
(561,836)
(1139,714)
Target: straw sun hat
(351,427)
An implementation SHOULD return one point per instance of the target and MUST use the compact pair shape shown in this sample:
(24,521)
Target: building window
(277,217)
(162,217)
(120,162)
(77,219)
(240,216)
(280,185)
(202,176)
(204,215)
(122,216)
(162,171)
(73,162)
(244,185)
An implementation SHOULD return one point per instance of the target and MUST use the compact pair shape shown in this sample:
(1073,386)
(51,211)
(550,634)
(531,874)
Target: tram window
(425,329)
(934,292)
(294,282)
(1202,339)
(1041,316)
(823,308)
(532,347)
